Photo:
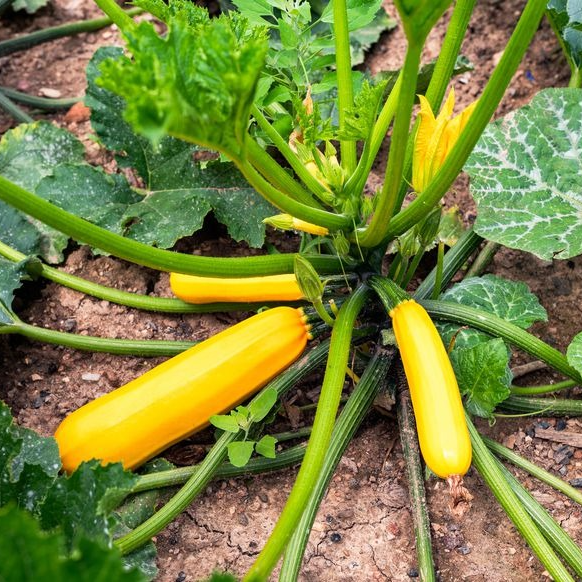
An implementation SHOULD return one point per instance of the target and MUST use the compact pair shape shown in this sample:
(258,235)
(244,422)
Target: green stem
(545,406)
(454,260)
(320,437)
(386,202)
(356,183)
(39,102)
(136,300)
(498,327)
(304,175)
(345,83)
(275,174)
(100,344)
(415,472)
(174,477)
(547,389)
(142,254)
(534,470)
(489,470)
(556,536)
(438,280)
(414,266)
(13,110)
(215,457)
(482,260)
(117,15)
(576,78)
(40,36)
(348,422)
(330,220)
(488,102)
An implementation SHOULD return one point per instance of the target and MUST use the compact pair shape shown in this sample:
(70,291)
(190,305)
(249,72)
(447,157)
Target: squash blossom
(435,138)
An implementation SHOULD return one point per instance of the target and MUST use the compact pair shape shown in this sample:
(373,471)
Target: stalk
(438,278)
(117,15)
(13,110)
(320,437)
(482,260)
(40,36)
(42,103)
(534,470)
(100,344)
(350,418)
(142,254)
(487,467)
(273,172)
(443,71)
(304,175)
(206,470)
(556,536)
(488,102)
(547,389)
(546,406)
(256,465)
(498,327)
(345,82)
(330,220)
(386,202)
(454,260)
(415,472)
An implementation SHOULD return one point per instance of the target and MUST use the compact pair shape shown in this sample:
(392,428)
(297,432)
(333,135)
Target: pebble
(50,93)
(335,537)
(577,482)
(91,377)
(561,424)
(413,573)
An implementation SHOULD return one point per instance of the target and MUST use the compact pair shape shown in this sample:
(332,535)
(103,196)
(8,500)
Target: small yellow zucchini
(175,399)
(193,289)
(440,419)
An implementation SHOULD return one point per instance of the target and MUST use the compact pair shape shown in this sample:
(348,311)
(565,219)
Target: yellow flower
(435,138)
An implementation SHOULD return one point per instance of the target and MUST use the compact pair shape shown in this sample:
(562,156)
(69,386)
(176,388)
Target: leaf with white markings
(566,16)
(574,353)
(526,177)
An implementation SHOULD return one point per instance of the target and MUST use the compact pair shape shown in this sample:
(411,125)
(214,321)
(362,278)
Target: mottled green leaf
(526,177)
(82,503)
(31,6)
(29,464)
(574,353)
(31,555)
(567,19)
(360,118)
(510,300)
(483,375)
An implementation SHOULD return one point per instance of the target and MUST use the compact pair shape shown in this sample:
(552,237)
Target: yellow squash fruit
(175,399)
(194,289)
(440,418)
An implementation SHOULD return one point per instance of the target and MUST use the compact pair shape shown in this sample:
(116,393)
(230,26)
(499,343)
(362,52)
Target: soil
(364,529)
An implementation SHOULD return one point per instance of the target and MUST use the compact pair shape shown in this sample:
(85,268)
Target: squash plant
(271,88)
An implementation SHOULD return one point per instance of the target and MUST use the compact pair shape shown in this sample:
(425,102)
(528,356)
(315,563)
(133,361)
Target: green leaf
(266,446)
(360,119)
(225,422)
(31,555)
(262,404)
(363,39)
(29,464)
(197,82)
(258,12)
(574,353)
(31,6)
(221,577)
(450,227)
(526,177)
(180,192)
(361,13)
(483,375)
(510,300)
(240,452)
(567,18)
(10,279)
(82,504)
(29,153)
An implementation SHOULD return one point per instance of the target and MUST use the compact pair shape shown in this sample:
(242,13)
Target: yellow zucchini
(438,409)
(176,399)
(193,289)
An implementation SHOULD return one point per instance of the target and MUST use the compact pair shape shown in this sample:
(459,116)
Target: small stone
(561,424)
(464,550)
(69,324)
(78,113)
(36,377)
(335,537)
(544,424)
(50,93)
(91,377)
(577,482)
(181,577)
(413,573)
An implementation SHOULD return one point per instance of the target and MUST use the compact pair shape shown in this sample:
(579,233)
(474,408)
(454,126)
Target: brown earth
(363,531)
